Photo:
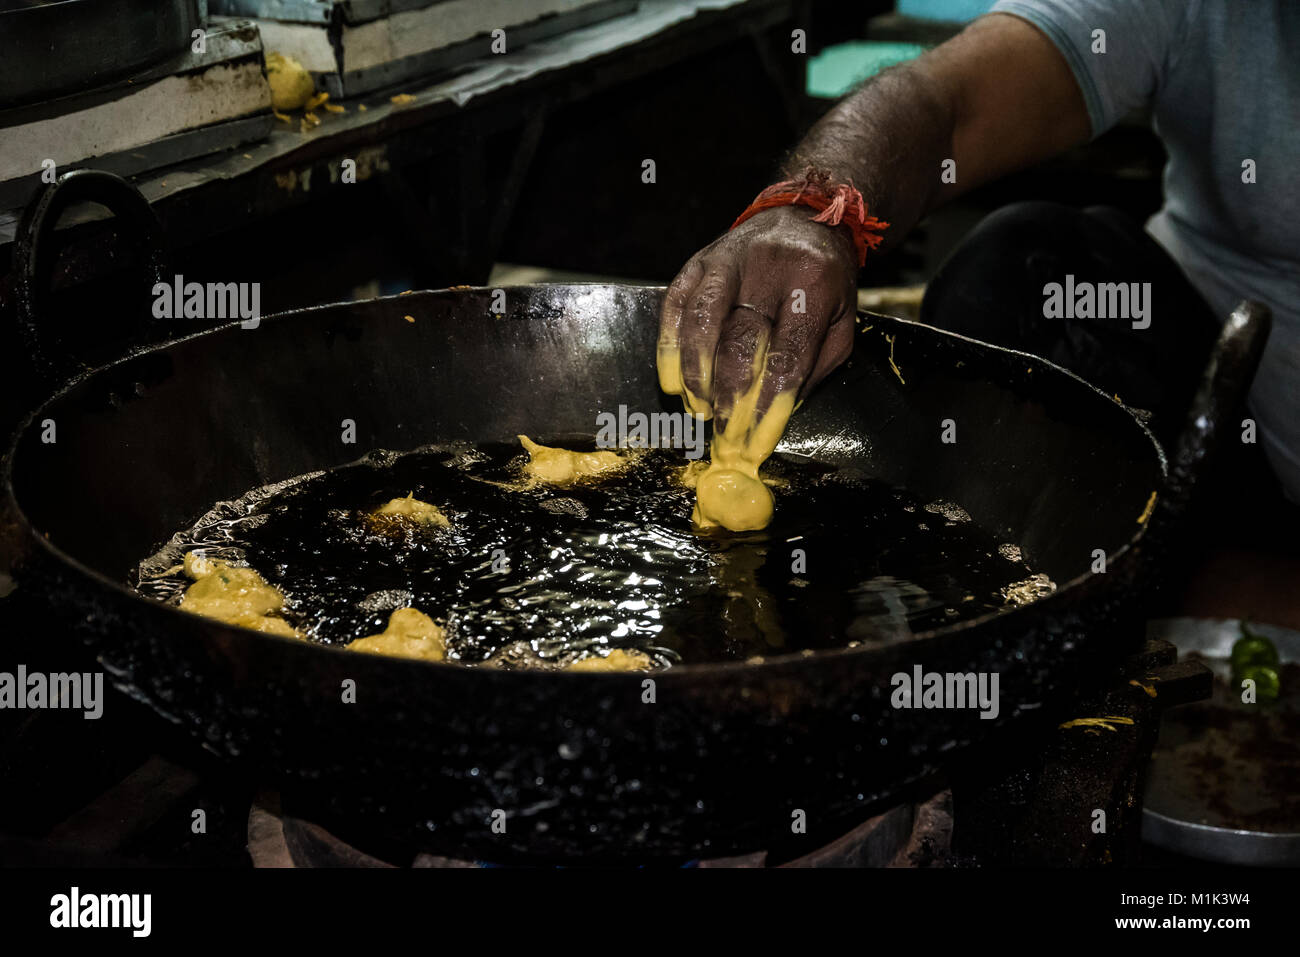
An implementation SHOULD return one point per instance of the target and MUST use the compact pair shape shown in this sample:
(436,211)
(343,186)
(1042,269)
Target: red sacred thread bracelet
(837,204)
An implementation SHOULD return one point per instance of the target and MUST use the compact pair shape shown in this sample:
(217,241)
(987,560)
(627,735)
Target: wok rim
(766,663)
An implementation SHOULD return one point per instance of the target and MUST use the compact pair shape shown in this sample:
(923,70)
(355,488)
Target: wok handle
(1222,392)
(34,256)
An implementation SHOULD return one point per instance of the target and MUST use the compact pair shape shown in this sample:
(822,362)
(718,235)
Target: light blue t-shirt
(1225,96)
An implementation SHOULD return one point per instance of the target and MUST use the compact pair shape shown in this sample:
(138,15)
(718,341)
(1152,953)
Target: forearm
(888,139)
(771,303)
(997,97)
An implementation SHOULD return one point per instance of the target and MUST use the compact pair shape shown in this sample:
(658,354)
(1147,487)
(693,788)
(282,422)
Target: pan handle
(1222,392)
(34,255)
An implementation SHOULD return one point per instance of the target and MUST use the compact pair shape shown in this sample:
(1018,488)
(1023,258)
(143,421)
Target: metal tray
(1223,777)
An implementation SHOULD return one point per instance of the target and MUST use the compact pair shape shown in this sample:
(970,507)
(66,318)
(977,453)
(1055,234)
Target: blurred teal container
(954,11)
(838,69)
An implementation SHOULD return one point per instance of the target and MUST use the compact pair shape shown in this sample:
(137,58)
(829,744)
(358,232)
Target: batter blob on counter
(410,634)
(551,466)
(237,596)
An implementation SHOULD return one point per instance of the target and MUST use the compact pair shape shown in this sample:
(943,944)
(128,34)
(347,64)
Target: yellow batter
(413,509)
(668,359)
(729,492)
(562,467)
(291,84)
(616,660)
(410,634)
(237,596)
(688,476)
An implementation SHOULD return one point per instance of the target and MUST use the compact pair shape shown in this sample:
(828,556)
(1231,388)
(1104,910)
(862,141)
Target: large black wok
(581,764)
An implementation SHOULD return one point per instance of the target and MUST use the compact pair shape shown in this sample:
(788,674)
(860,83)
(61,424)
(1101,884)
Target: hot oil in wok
(541,575)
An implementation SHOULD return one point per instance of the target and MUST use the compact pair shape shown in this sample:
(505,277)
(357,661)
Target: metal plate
(1221,787)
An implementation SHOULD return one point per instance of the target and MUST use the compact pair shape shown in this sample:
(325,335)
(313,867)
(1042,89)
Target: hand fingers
(807,342)
(739,363)
(703,323)
(668,353)
(837,347)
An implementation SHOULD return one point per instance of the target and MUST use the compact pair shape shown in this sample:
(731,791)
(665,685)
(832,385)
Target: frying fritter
(410,634)
(237,596)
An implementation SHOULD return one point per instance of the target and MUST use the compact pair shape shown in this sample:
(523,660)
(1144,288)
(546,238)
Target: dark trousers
(991,288)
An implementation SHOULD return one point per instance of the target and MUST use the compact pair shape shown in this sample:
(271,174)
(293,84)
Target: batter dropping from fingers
(730,493)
